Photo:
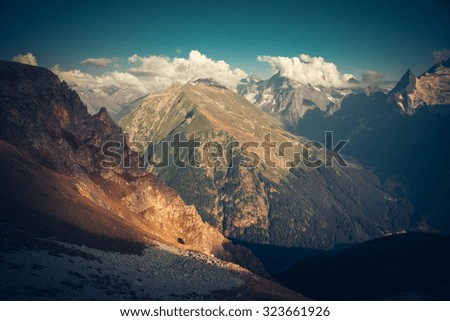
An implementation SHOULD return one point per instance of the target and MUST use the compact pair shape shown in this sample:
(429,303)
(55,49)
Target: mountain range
(62,210)
(232,213)
(288,99)
(118,100)
(287,206)
(401,136)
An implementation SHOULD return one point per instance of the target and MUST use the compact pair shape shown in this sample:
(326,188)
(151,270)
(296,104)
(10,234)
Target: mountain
(401,136)
(258,202)
(431,88)
(410,266)
(76,225)
(118,101)
(289,100)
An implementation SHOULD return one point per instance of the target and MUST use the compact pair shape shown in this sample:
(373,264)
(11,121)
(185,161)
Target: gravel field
(79,273)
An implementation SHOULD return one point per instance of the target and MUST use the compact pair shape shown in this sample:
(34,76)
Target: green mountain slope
(301,206)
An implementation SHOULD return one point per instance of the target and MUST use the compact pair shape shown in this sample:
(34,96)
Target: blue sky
(357,36)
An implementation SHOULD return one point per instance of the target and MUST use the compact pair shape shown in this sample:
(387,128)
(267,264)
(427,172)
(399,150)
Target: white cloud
(76,78)
(439,55)
(99,62)
(308,70)
(166,71)
(155,73)
(28,59)
(372,76)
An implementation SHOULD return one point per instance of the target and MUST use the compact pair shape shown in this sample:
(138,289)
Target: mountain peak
(430,89)
(207,82)
(353,81)
(199,106)
(441,66)
(238,197)
(104,117)
(406,83)
(400,94)
(251,78)
(278,81)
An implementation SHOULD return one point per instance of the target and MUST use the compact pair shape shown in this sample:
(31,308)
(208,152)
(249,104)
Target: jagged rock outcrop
(430,89)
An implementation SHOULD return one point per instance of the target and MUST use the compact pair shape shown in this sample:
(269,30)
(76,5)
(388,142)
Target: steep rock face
(430,89)
(401,94)
(316,208)
(289,100)
(49,139)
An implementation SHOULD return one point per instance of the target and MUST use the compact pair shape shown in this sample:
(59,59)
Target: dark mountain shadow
(21,227)
(411,266)
(278,258)
(408,152)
